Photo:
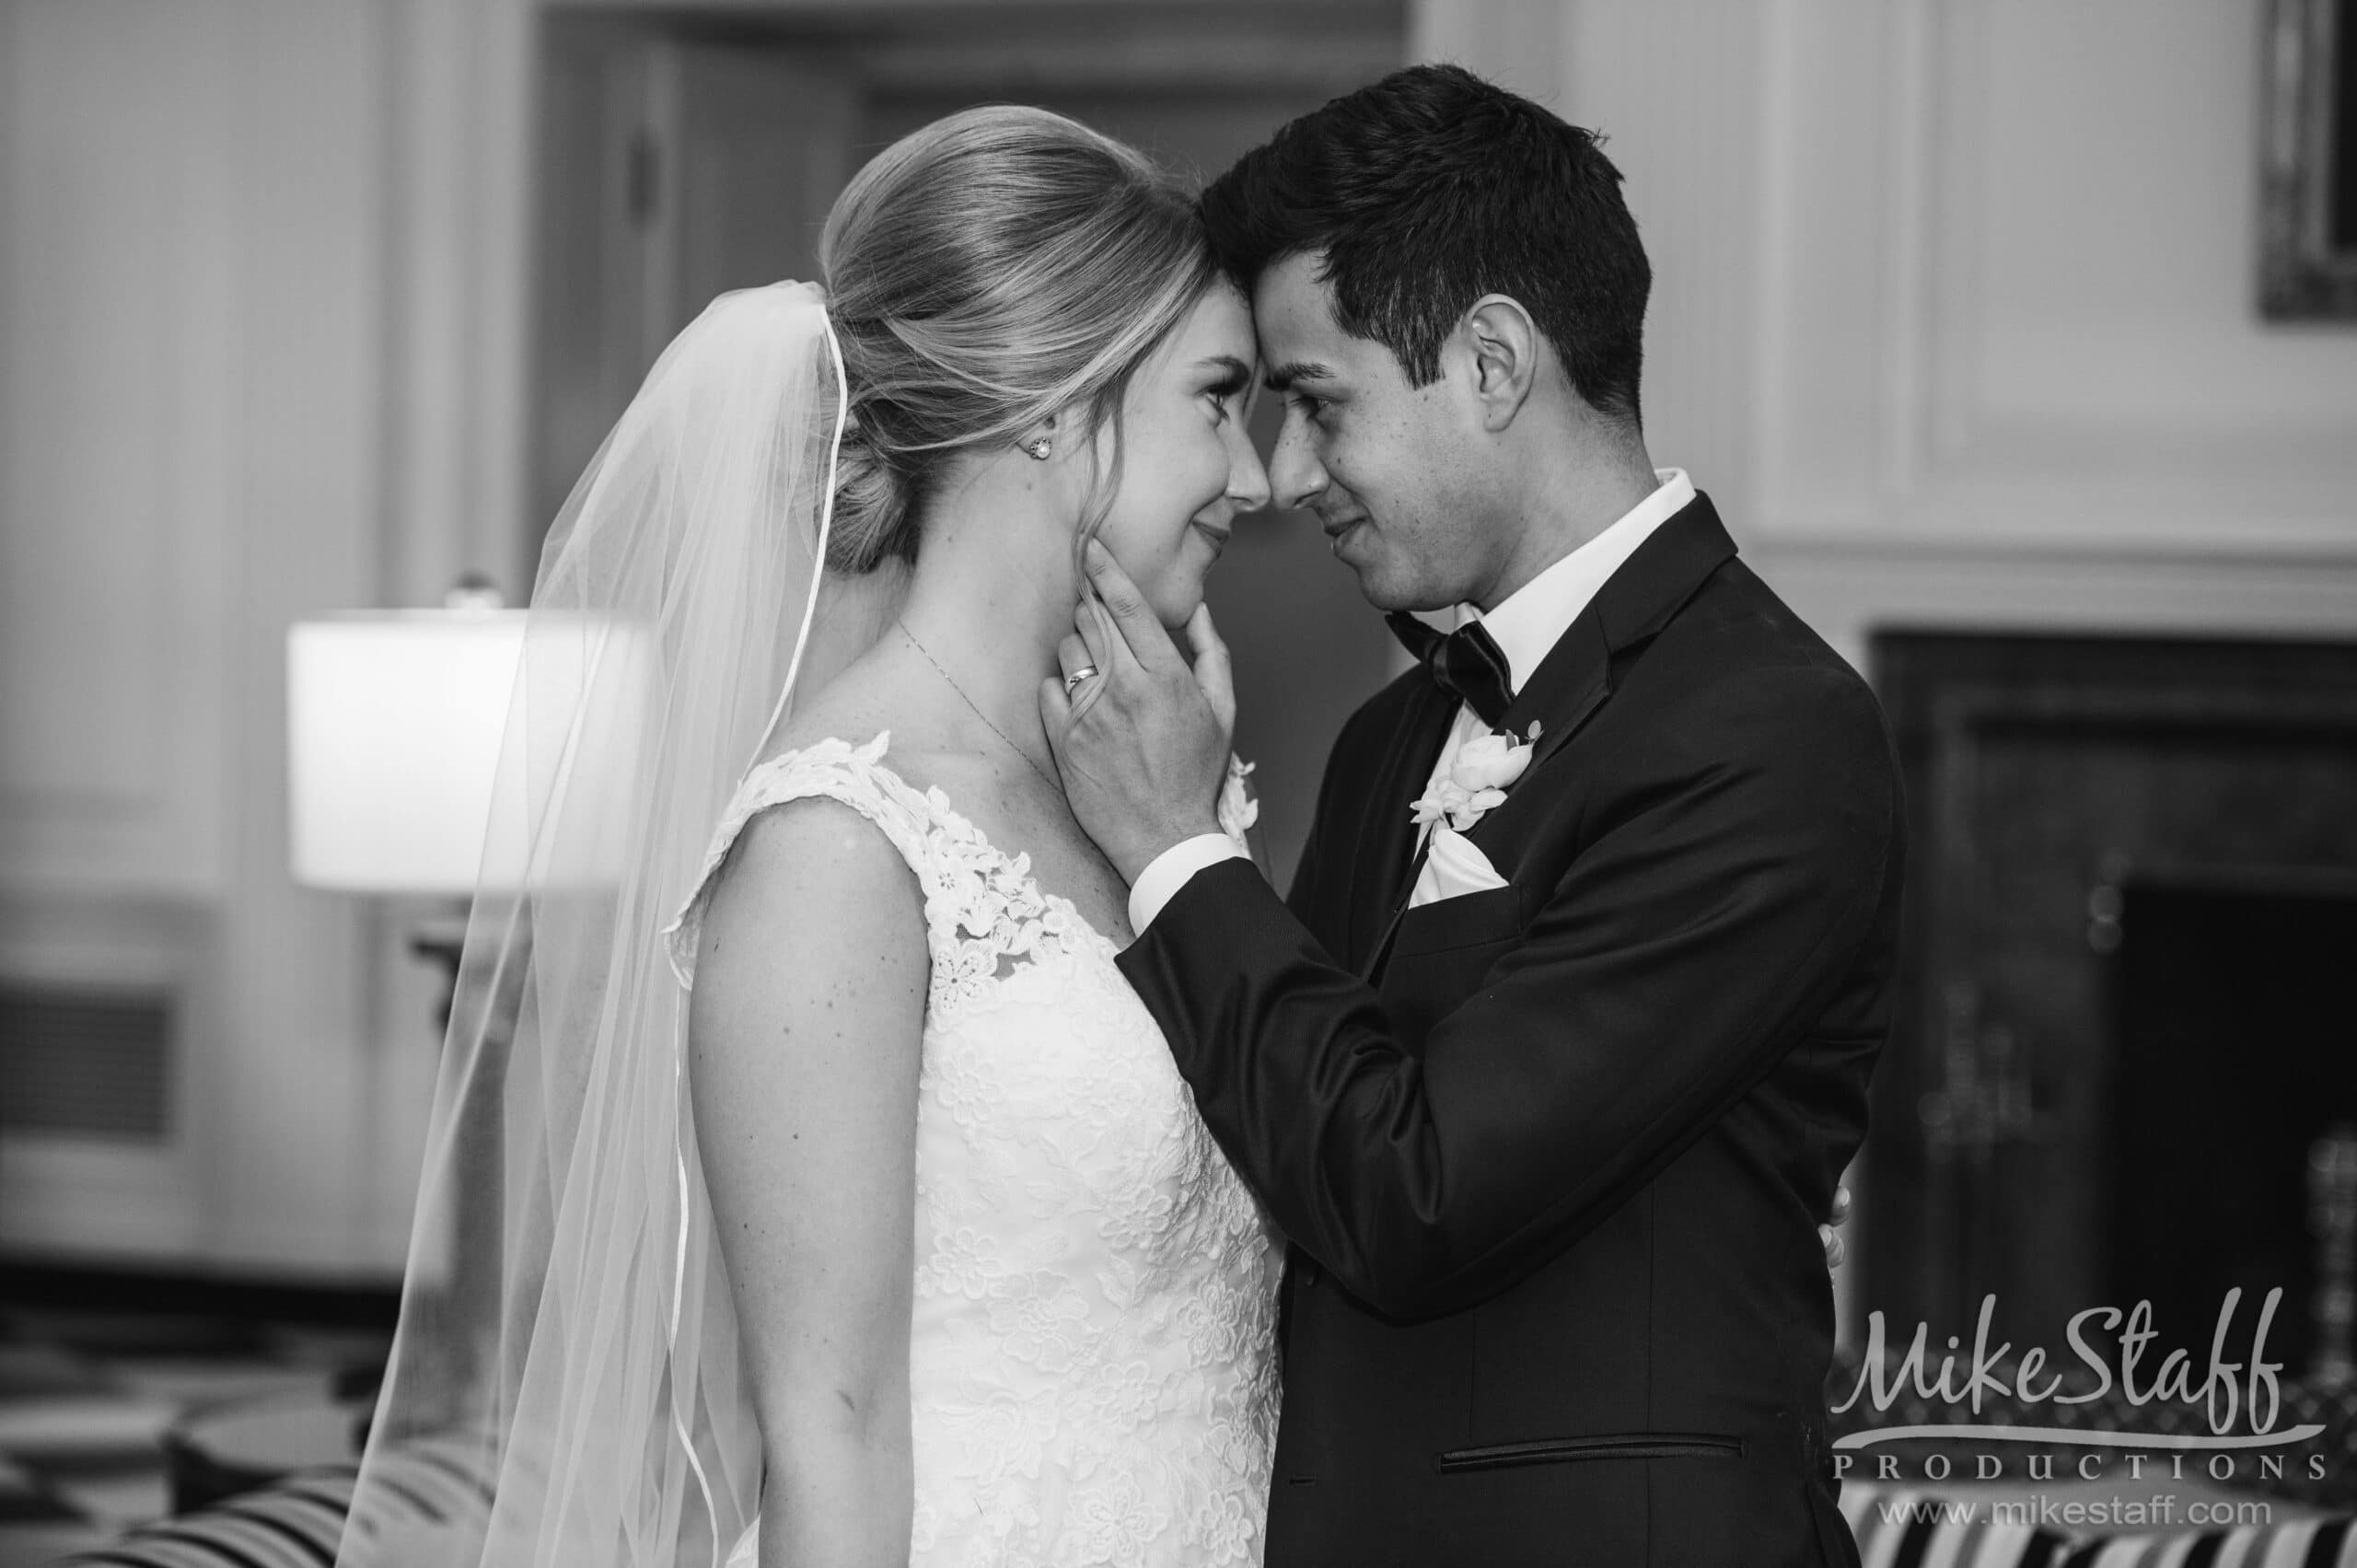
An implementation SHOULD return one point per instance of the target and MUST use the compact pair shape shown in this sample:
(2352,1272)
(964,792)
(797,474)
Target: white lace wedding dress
(1091,1351)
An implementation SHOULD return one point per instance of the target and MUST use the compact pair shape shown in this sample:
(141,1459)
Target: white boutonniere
(1478,779)
(1237,807)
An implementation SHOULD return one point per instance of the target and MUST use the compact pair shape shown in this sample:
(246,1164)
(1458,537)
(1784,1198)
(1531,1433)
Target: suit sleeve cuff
(1171,870)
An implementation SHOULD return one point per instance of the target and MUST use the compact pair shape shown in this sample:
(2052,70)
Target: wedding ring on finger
(1072,681)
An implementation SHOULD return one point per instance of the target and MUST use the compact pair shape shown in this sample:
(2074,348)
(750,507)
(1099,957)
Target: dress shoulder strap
(837,771)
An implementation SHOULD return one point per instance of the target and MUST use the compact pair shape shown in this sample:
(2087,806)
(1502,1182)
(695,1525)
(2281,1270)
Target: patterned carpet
(89,1389)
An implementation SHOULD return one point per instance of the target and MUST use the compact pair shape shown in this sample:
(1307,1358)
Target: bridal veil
(567,1342)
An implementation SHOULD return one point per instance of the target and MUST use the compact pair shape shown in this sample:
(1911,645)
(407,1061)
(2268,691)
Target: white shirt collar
(1528,621)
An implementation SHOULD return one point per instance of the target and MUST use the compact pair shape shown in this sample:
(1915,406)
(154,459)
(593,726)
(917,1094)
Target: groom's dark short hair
(1430,189)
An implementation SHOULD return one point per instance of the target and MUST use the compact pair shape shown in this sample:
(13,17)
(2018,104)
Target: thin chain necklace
(1044,776)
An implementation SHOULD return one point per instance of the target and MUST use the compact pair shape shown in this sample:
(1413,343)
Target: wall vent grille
(91,1065)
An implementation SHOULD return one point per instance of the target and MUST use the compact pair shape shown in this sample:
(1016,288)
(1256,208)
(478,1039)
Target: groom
(1549,1064)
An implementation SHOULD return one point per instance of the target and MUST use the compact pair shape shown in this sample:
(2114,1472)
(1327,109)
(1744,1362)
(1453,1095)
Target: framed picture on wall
(2308,177)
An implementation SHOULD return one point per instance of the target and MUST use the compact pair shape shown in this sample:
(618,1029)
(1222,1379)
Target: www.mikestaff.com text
(2039,1511)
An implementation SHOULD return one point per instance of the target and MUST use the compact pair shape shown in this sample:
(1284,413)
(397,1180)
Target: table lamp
(395,723)
(394,719)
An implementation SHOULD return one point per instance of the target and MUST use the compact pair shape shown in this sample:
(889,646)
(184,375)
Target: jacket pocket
(1471,920)
(1608,1445)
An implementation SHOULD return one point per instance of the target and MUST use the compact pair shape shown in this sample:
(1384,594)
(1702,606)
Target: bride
(807,1186)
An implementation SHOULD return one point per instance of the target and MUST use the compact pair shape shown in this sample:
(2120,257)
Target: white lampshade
(394,724)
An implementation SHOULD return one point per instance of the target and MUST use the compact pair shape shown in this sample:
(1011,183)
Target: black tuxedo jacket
(1552,1175)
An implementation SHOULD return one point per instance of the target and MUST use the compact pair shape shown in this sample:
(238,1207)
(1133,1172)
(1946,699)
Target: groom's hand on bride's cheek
(1142,741)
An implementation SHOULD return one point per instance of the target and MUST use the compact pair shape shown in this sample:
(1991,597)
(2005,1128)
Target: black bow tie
(1466,663)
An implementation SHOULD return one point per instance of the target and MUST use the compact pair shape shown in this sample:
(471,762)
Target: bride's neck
(990,598)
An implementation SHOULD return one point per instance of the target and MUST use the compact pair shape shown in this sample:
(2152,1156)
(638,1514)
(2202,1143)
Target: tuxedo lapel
(1388,845)
(1567,687)
(1577,675)
(1634,603)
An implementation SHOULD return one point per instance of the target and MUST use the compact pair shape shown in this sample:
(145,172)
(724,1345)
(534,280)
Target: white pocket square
(1452,869)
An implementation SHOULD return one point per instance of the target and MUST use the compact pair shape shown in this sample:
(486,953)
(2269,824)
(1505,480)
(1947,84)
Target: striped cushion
(297,1522)
(1899,1527)
(294,1523)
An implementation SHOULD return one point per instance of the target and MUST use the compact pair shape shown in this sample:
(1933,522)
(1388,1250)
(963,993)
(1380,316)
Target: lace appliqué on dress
(985,912)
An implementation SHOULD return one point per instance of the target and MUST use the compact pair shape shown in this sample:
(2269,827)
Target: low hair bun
(874,521)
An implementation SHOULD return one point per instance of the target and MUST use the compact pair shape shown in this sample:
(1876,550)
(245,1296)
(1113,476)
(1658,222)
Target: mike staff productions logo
(2237,1400)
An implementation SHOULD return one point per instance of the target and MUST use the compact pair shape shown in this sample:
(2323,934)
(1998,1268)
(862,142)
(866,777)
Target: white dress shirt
(1525,625)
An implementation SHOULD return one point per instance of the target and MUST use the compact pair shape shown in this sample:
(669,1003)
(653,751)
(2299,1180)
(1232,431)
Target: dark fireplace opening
(2232,1028)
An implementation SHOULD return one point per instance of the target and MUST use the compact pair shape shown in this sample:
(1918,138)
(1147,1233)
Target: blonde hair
(994,268)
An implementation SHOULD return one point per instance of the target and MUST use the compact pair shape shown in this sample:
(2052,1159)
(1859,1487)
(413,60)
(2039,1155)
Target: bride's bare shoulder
(814,876)
(804,856)
(812,862)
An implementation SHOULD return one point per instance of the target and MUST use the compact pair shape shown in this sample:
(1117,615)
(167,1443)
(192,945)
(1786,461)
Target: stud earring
(1039,448)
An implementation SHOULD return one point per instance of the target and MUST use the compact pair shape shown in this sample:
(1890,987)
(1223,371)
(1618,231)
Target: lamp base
(441,940)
